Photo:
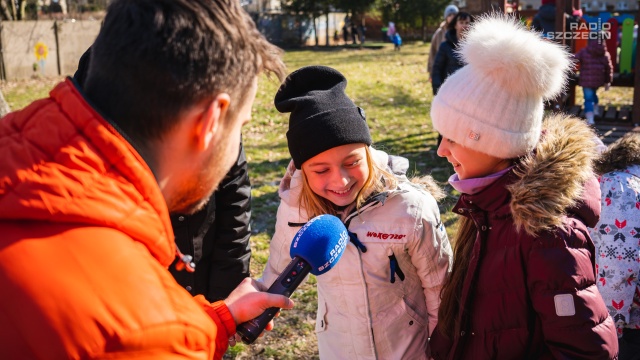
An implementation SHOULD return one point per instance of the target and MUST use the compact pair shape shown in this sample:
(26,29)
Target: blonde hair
(379,180)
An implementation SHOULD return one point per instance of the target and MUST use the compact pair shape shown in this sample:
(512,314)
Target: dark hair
(451,293)
(155,58)
(460,15)
(621,154)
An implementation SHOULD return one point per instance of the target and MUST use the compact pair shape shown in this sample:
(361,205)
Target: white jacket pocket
(321,317)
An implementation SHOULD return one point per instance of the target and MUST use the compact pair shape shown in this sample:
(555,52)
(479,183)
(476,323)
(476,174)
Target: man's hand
(249,300)
(607,87)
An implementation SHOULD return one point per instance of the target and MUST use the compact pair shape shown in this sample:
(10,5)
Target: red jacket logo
(384,236)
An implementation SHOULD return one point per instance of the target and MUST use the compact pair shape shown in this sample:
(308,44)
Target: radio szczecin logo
(578,31)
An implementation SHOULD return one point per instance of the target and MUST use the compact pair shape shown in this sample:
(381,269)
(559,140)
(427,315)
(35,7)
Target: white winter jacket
(361,313)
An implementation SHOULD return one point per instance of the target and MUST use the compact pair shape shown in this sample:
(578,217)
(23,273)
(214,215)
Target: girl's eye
(355,163)
(320,171)
(450,141)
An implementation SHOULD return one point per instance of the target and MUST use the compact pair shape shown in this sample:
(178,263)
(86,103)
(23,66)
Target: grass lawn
(394,90)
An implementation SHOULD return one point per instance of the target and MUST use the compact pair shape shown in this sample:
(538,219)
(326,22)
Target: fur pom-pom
(516,58)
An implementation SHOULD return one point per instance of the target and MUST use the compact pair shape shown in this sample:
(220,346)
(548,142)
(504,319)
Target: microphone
(315,248)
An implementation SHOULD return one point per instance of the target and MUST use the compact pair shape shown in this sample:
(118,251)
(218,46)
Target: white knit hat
(494,104)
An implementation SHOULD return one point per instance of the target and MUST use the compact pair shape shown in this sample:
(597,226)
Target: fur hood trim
(623,153)
(552,177)
(428,183)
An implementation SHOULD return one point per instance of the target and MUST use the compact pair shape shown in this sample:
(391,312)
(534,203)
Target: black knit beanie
(322,115)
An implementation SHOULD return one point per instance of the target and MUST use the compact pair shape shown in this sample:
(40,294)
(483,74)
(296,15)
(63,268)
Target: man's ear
(209,123)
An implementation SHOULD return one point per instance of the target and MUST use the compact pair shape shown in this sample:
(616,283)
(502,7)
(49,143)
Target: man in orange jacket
(89,176)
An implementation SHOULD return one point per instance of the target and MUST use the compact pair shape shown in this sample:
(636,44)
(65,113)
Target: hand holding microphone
(249,299)
(316,248)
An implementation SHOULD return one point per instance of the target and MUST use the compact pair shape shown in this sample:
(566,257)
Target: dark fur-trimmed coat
(530,289)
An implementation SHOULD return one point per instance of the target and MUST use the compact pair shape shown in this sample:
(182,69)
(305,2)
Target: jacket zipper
(375,202)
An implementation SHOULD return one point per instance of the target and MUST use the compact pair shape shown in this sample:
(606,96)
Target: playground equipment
(620,31)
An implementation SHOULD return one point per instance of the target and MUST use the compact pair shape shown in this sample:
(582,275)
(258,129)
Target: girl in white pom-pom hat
(523,280)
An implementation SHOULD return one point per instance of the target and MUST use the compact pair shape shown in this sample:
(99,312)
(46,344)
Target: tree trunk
(4,107)
(12,9)
(6,13)
(315,30)
(327,28)
(22,6)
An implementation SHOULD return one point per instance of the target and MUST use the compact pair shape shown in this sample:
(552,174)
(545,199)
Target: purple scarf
(475,185)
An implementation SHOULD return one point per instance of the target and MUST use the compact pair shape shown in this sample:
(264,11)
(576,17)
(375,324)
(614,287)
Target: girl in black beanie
(381,300)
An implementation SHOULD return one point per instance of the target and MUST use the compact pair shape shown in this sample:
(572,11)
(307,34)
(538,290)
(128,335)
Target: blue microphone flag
(320,242)
(315,249)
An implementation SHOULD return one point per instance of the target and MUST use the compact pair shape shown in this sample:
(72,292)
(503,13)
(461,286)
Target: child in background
(381,300)
(616,237)
(397,41)
(523,280)
(595,70)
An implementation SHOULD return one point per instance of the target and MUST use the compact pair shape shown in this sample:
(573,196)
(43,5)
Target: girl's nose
(341,178)
(443,149)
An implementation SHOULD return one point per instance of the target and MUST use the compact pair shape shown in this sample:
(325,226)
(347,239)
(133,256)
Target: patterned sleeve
(617,240)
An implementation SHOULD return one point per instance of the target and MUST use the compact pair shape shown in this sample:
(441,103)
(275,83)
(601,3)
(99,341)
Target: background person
(95,172)
(397,41)
(218,237)
(544,20)
(439,36)
(448,60)
(596,70)
(617,240)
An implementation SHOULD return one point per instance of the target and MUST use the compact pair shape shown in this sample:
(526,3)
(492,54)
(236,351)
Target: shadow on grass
(336,58)
(324,48)
(267,172)
(401,98)
(266,205)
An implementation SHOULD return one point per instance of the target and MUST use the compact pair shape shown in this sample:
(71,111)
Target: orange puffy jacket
(85,241)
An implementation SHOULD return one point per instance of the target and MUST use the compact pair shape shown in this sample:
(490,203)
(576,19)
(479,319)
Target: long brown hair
(451,293)
(378,180)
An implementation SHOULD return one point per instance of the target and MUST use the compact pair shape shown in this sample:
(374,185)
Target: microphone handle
(285,284)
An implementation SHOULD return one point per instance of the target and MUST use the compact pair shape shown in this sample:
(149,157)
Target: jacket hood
(557,177)
(596,48)
(67,165)
(547,12)
(452,37)
(620,155)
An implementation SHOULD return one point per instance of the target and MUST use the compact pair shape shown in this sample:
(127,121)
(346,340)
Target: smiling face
(338,174)
(468,163)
